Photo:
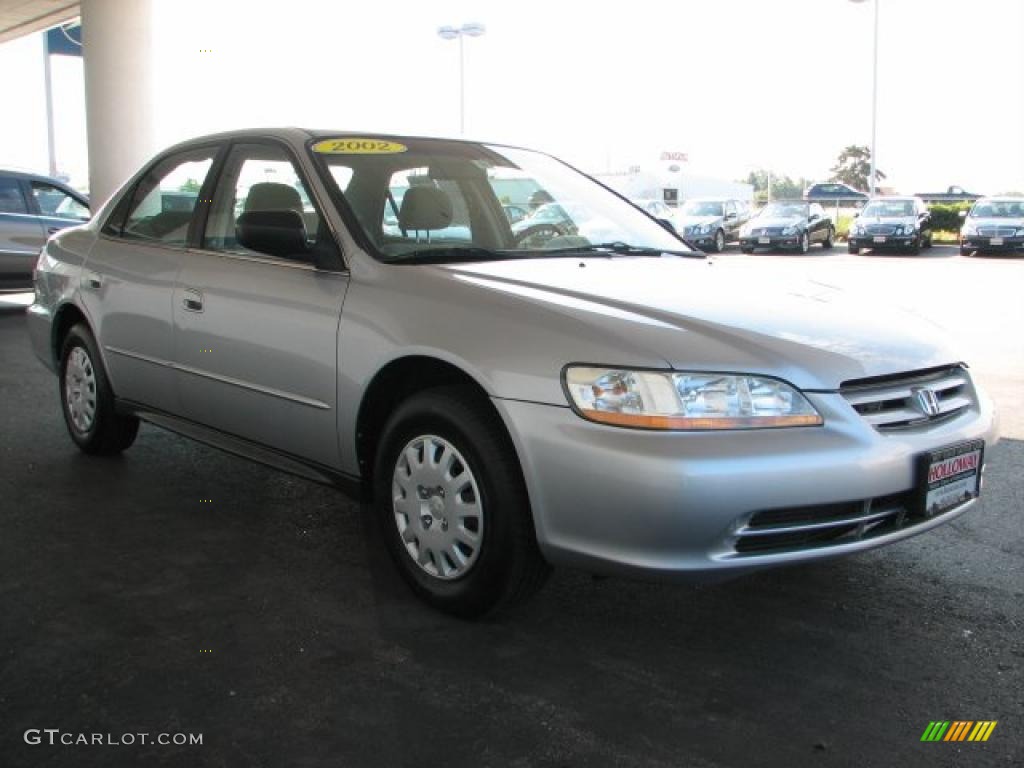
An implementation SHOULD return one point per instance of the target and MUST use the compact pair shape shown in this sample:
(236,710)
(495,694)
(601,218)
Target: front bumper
(983,243)
(707,240)
(887,241)
(771,241)
(675,505)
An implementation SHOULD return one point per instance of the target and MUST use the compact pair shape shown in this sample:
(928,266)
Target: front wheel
(850,248)
(965,251)
(830,236)
(805,243)
(451,501)
(719,244)
(87,399)
(915,246)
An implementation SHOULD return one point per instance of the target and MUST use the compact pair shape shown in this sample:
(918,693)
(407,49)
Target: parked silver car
(32,208)
(621,406)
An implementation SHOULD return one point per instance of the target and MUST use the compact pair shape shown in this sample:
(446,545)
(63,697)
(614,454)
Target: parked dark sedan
(994,224)
(901,223)
(790,224)
(710,224)
(31,209)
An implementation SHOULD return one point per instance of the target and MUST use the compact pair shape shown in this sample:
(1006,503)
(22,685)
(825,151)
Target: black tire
(830,238)
(108,433)
(928,241)
(915,246)
(746,249)
(509,567)
(852,249)
(805,243)
(965,251)
(718,244)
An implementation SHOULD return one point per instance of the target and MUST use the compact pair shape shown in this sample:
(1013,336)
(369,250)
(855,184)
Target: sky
(735,84)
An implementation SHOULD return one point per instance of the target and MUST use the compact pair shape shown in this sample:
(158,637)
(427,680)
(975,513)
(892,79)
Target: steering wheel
(541,232)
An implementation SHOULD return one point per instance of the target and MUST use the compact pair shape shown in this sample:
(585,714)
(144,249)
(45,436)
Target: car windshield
(702,208)
(438,200)
(999,209)
(784,210)
(888,209)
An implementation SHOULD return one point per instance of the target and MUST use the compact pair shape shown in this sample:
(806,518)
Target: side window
(455,228)
(730,208)
(257,177)
(58,203)
(163,202)
(11,199)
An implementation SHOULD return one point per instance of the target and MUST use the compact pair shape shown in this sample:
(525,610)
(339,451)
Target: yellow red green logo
(959,730)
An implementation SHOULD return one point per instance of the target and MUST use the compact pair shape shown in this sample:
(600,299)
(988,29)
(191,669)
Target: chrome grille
(881,229)
(766,231)
(802,528)
(894,402)
(996,231)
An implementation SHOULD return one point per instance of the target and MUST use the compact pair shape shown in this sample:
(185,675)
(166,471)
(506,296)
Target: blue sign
(65,40)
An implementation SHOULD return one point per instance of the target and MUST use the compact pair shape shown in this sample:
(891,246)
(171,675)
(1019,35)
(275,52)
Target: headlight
(909,229)
(702,229)
(857,229)
(686,401)
(1020,232)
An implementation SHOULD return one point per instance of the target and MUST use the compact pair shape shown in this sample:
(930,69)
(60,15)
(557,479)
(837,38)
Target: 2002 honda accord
(357,309)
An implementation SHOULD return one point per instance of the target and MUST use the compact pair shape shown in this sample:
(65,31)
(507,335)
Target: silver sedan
(357,310)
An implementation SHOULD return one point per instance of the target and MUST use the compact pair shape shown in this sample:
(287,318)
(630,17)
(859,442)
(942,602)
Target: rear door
(256,334)
(128,280)
(21,235)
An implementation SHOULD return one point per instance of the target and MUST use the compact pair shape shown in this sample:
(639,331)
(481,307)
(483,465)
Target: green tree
(854,167)
(192,185)
(783,187)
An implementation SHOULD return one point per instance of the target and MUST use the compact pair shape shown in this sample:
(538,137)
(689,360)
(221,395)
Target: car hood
(766,221)
(698,315)
(866,220)
(692,221)
(996,221)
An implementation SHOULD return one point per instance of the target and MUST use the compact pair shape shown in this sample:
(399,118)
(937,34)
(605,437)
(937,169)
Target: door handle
(52,230)
(192,300)
(92,280)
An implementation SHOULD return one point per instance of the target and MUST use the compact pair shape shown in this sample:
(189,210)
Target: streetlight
(874,99)
(472,29)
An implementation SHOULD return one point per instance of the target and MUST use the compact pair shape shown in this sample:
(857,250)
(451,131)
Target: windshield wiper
(444,254)
(625,249)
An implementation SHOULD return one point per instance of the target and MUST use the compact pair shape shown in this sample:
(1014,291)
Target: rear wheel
(87,400)
(452,504)
(830,236)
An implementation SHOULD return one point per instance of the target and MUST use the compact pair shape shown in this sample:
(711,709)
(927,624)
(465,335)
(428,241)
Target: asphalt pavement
(177,589)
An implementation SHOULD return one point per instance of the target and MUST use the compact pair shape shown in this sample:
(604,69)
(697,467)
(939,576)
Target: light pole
(874,99)
(472,29)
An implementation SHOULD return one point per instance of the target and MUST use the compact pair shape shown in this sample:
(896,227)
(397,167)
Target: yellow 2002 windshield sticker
(358,146)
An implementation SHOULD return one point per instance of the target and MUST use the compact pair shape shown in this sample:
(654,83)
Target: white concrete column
(118,55)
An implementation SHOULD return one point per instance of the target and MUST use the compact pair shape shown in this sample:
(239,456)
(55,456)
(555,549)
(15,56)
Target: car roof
(894,199)
(1001,199)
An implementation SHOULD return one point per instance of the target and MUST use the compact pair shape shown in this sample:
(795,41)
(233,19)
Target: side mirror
(668,225)
(813,217)
(278,233)
(962,214)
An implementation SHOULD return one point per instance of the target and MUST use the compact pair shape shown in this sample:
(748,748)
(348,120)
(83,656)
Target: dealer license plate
(950,476)
(878,239)
(996,241)
(764,240)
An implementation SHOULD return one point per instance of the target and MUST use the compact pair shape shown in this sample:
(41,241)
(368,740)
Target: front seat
(425,209)
(271,196)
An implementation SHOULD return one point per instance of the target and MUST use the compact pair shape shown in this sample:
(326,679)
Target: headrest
(271,196)
(425,208)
